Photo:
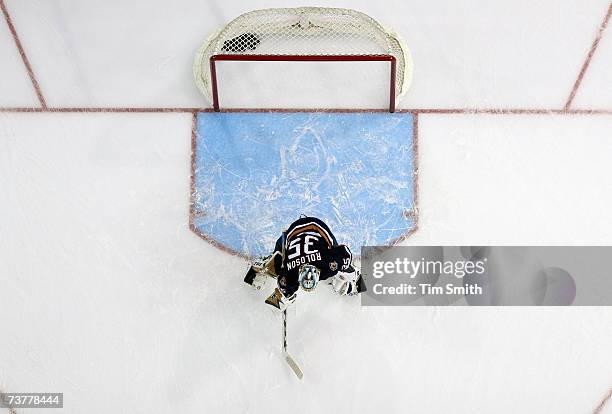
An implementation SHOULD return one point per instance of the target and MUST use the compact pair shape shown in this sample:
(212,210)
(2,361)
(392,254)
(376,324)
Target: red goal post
(307,34)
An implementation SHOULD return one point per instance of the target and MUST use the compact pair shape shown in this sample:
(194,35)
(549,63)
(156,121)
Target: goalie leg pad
(260,270)
(266,264)
(348,284)
(280,301)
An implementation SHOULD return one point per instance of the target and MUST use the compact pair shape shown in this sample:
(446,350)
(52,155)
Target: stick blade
(294,366)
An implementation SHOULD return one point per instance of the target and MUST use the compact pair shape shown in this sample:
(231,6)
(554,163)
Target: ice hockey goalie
(304,255)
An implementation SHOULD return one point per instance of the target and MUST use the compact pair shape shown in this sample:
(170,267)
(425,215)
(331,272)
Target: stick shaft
(285,330)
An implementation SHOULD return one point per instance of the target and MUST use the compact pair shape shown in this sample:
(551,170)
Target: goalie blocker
(305,254)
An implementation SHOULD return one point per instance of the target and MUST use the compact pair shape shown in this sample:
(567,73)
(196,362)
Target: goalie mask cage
(306,34)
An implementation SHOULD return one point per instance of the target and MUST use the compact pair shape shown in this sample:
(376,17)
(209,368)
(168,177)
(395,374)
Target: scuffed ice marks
(257,172)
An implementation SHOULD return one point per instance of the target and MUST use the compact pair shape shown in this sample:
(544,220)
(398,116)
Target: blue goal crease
(255,173)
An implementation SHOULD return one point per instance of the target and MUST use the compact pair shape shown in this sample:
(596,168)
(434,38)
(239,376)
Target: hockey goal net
(307,34)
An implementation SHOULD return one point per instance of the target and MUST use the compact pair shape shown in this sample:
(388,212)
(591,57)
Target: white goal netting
(303,31)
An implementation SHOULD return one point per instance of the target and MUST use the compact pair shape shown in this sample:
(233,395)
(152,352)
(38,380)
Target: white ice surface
(15,86)
(515,180)
(108,297)
(596,88)
(505,53)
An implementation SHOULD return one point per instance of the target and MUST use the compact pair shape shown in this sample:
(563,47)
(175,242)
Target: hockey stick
(296,369)
(292,364)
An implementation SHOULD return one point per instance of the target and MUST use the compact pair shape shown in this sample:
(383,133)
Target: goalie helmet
(309,277)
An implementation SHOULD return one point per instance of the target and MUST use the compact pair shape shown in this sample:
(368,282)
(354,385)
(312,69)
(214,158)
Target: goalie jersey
(309,240)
